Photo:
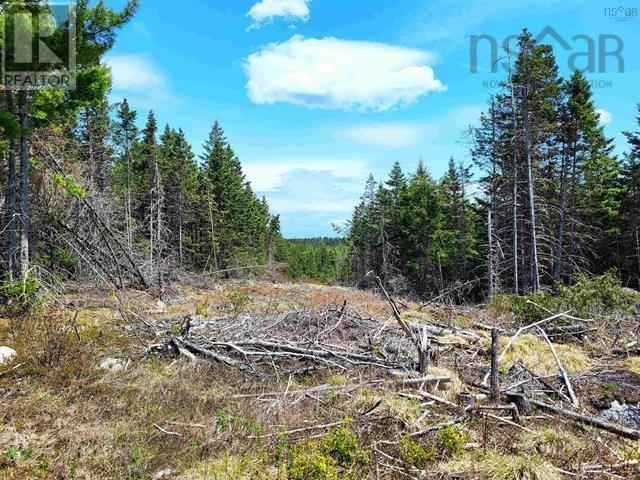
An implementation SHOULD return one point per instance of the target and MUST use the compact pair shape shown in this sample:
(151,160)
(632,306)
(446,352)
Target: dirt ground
(159,414)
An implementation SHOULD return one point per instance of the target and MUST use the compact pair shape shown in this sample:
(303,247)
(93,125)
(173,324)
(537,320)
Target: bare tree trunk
(25,221)
(11,199)
(514,179)
(535,275)
(490,254)
(159,227)
(127,204)
(495,382)
(463,211)
(213,239)
(557,266)
(492,205)
(572,224)
(638,248)
(92,157)
(180,246)
(151,224)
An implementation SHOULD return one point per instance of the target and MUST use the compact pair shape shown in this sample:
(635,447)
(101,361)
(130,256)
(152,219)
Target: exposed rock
(623,413)
(6,354)
(165,473)
(604,388)
(113,364)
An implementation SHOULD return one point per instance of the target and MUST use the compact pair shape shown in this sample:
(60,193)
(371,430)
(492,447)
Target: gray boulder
(6,354)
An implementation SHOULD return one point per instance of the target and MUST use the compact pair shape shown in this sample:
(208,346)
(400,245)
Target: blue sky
(315,94)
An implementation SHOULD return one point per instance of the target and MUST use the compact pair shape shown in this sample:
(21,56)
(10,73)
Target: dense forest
(551,200)
(89,194)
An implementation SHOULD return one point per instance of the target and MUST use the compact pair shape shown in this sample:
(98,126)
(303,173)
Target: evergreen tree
(125,138)
(629,221)
(94,127)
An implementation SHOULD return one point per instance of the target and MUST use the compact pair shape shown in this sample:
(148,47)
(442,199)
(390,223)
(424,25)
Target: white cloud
(137,78)
(605,117)
(269,177)
(344,74)
(399,135)
(384,135)
(135,73)
(266,10)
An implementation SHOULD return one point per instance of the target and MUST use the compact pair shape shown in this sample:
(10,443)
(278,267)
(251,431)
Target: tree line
(89,193)
(553,200)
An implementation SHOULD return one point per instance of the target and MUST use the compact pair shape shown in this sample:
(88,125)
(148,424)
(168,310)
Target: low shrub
(414,454)
(587,297)
(343,446)
(308,462)
(451,441)
(21,295)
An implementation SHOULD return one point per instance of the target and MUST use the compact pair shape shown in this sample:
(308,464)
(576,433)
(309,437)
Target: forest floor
(235,380)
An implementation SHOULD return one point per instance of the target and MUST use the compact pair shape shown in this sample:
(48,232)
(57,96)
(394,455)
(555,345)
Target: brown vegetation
(290,418)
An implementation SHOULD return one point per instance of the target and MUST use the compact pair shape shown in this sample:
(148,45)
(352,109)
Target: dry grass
(448,390)
(391,406)
(551,442)
(61,417)
(534,353)
(632,364)
(493,465)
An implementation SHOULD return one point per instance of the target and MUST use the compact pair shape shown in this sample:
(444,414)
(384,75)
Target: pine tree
(180,173)
(94,140)
(126,137)
(95,35)
(237,218)
(629,221)
(589,190)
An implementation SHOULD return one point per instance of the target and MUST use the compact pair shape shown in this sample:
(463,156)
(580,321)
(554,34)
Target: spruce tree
(629,221)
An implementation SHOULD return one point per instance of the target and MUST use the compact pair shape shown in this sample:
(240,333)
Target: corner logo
(621,14)
(38,45)
(588,53)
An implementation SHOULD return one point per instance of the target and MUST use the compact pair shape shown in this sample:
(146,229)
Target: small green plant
(451,441)
(12,455)
(224,420)
(608,389)
(69,184)
(343,446)
(308,462)
(414,454)
(22,295)
(237,301)
(337,380)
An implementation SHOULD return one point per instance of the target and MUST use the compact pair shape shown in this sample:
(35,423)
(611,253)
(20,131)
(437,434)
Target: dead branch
(565,377)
